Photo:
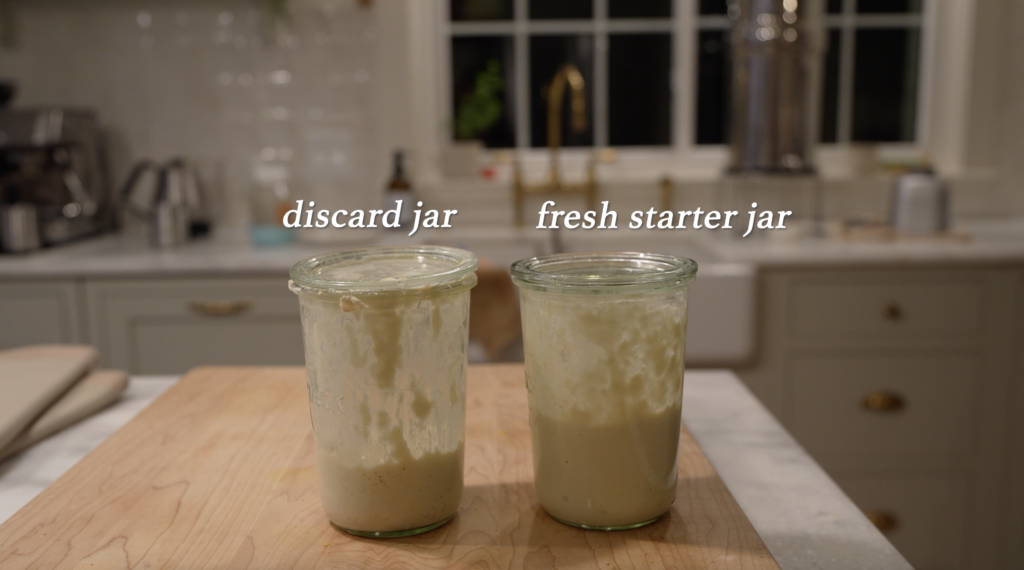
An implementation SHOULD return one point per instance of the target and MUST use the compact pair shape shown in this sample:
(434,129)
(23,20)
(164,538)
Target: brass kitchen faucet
(567,74)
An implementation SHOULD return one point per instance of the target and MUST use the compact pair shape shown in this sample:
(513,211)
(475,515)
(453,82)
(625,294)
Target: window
(624,50)
(871,71)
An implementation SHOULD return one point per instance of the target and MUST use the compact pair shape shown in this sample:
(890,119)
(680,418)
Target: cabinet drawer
(38,313)
(925,518)
(170,326)
(851,409)
(883,308)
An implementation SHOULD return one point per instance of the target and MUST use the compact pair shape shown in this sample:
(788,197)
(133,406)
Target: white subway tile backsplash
(214,80)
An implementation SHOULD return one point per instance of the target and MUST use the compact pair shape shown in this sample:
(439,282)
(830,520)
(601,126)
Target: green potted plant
(477,112)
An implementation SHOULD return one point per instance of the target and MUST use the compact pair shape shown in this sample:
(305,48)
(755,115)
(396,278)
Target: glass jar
(385,332)
(604,336)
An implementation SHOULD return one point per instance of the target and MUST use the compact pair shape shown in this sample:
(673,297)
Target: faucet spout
(569,75)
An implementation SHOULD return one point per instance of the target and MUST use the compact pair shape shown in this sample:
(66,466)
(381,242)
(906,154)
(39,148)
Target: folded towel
(89,395)
(33,378)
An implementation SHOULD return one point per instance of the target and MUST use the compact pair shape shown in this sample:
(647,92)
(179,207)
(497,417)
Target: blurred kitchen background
(149,149)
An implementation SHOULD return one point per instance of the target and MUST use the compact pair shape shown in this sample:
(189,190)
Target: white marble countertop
(801,514)
(131,255)
(803,517)
(25,475)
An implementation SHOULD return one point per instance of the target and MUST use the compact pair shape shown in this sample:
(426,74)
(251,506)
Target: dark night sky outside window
(481,10)
(561,9)
(713,86)
(639,94)
(885,85)
(640,9)
(830,89)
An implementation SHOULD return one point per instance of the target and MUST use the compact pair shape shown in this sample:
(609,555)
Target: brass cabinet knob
(893,311)
(885,521)
(220,308)
(883,401)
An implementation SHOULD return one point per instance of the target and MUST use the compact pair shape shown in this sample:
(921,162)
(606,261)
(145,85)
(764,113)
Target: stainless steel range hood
(776,62)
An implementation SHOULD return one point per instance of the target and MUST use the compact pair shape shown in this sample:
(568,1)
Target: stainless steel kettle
(178,210)
(19,228)
(920,204)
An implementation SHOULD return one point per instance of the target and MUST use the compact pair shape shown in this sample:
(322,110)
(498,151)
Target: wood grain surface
(220,473)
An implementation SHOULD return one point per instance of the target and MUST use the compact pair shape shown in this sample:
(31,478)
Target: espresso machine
(53,184)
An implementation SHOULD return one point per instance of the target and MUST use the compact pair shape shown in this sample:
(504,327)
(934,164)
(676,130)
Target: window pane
(830,89)
(713,87)
(639,95)
(835,6)
(468,10)
(634,9)
(547,55)
(476,104)
(885,84)
(560,9)
(888,6)
(714,7)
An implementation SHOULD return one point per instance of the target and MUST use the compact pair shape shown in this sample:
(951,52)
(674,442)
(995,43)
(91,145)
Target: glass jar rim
(457,268)
(604,271)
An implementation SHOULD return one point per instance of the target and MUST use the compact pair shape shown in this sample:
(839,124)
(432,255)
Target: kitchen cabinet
(903,381)
(925,517)
(39,312)
(899,383)
(168,326)
(885,407)
(1013,545)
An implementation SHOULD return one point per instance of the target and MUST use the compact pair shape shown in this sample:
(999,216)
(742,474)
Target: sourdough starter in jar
(386,331)
(604,338)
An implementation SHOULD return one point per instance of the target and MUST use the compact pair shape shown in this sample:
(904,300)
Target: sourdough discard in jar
(385,332)
(604,337)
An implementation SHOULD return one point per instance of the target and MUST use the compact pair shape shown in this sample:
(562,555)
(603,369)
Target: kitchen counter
(979,242)
(26,474)
(986,242)
(803,518)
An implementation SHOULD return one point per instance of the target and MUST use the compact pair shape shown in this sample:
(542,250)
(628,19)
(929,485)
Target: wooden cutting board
(220,473)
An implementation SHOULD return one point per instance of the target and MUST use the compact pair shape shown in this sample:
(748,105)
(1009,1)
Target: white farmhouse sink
(722,313)
(721,323)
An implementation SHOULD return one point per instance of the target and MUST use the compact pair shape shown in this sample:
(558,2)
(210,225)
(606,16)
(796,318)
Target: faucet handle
(607,155)
(503,157)
(666,192)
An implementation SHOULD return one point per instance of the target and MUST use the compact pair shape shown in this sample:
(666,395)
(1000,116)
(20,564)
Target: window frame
(941,126)
(848,22)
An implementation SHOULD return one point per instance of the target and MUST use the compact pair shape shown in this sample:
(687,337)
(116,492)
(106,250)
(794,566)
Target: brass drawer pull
(884,521)
(220,308)
(893,312)
(883,401)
